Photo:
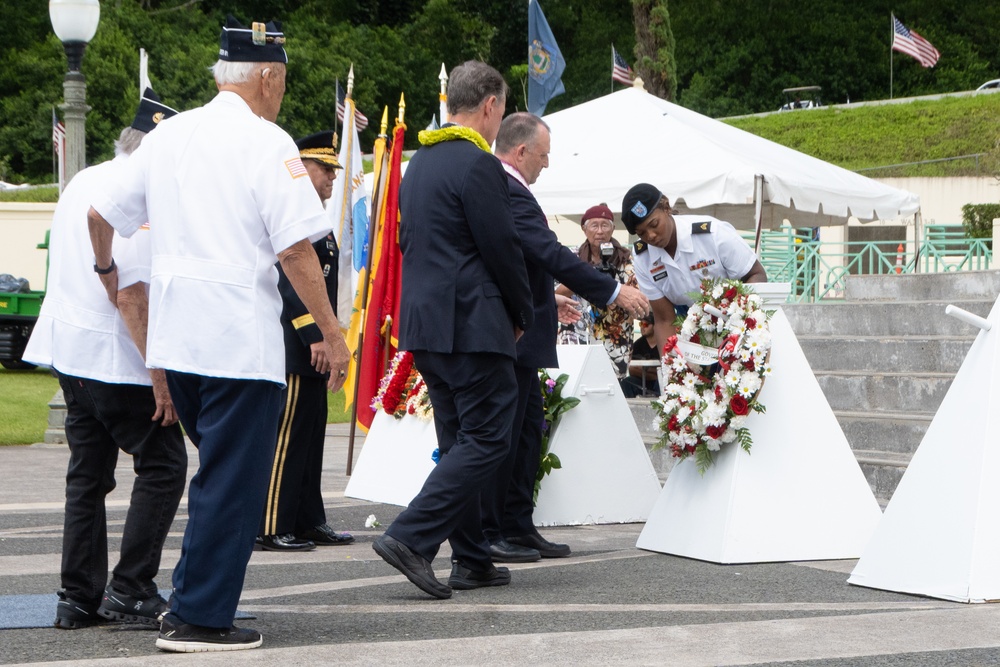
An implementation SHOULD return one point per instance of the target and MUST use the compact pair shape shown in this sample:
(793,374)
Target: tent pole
(758,214)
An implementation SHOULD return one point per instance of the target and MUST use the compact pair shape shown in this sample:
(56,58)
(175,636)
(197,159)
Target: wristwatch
(106,271)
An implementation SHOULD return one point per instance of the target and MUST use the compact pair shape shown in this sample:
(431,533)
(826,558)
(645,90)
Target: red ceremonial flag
(381,327)
(909,42)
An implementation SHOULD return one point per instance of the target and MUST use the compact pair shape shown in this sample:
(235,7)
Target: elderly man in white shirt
(226,195)
(112,403)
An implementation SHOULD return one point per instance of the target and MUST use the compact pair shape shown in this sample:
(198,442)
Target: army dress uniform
(706,248)
(294,517)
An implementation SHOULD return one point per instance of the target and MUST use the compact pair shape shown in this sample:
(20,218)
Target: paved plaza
(609,603)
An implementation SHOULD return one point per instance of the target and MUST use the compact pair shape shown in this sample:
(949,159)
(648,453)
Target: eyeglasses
(598,224)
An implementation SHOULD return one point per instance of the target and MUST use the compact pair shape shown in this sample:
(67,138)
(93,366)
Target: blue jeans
(102,418)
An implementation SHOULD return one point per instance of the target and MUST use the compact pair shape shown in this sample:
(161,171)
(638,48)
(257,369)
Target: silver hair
(233,73)
(471,84)
(516,129)
(128,141)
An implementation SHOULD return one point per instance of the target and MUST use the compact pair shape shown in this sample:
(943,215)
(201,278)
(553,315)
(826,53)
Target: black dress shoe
(543,546)
(325,536)
(464,578)
(414,567)
(503,551)
(286,542)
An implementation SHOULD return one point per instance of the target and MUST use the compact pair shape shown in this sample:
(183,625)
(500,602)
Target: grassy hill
(876,136)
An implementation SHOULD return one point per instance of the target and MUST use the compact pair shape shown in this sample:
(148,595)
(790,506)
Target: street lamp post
(75,22)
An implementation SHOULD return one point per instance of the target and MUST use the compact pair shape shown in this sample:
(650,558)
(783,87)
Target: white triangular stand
(940,535)
(606,474)
(799,494)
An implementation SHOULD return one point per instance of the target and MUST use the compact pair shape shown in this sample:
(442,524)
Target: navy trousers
(474,398)
(507,499)
(233,423)
(294,497)
(102,418)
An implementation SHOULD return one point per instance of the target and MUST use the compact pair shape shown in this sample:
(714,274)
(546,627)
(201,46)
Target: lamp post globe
(74,22)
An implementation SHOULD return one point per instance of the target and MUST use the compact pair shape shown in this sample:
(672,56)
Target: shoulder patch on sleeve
(640,247)
(296,168)
(701,227)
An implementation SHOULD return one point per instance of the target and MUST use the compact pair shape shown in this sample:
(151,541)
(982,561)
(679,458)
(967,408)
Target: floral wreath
(713,370)
(402,391)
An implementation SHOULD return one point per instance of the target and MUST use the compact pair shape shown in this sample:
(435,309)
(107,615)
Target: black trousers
(233,424)
(474,398)
(102,419)
(507,499)
(294,497)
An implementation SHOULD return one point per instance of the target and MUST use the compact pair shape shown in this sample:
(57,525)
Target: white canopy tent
(603,147)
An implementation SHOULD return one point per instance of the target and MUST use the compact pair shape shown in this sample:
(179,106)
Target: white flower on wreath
(697,423)
(717,291)
(690,380)
(713,445)
(749,384)
(683,413)
(729,435)
(688,328)
(735,423)
(767,370)
(677,364)
(732,377)
(754,300)
(758,339)
(714,413)
(744,354)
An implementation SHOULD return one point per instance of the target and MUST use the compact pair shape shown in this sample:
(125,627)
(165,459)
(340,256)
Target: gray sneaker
(118,606)
(180,637)
(72,615)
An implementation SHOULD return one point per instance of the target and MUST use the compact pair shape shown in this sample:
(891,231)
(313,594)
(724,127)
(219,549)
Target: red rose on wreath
(739,405)
(715,431)
(730,294)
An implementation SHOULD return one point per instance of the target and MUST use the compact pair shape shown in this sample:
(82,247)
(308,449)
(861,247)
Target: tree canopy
(732,57)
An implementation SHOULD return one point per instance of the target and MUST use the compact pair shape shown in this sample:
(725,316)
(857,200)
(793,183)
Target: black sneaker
(465,579)
(71,615)
(118,606)
(181,637)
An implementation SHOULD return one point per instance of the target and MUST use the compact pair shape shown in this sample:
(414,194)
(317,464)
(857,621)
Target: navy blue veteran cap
(321,147)
(151,111)
(638,203)
(259,43)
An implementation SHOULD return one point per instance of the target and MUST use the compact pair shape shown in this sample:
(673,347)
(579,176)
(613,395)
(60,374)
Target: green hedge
(44,194)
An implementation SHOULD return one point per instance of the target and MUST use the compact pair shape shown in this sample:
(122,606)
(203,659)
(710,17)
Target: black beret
(151,111)
(638,203)
(321,147)
(259,43)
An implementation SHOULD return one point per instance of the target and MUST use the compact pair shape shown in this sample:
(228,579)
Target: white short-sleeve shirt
(224,191)
(79,332)
(706,248)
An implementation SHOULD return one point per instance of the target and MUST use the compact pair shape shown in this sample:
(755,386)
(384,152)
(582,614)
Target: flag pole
(892,27)
(372,228)
(612,67)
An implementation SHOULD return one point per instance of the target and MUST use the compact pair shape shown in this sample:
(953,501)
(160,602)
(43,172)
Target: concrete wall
(22,228)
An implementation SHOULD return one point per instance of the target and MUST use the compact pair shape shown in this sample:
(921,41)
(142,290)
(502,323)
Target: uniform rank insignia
(640,247)
(296,168)
(702,227)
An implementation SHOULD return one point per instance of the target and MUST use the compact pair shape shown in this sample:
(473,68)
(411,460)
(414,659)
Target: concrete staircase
(885,357)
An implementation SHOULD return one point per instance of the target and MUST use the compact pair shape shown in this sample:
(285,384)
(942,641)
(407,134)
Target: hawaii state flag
(348,211)
(376,343)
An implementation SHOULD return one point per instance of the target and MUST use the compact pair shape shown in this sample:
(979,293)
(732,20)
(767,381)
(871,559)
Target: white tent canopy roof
(603,147)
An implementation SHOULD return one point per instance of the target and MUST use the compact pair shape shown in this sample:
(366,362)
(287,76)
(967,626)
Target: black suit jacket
(297,325)
(464,285)
(546,258)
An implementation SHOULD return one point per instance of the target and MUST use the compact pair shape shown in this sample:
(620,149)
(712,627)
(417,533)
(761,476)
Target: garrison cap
(638,203)
(321,147)
(260,43)
(151,111)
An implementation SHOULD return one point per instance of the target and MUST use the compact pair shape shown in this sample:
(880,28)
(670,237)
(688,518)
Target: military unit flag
(909,42)
(620,71)
(545,61)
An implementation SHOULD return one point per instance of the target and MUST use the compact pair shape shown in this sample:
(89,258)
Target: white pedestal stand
(606,477)
(940,535)
(799,494)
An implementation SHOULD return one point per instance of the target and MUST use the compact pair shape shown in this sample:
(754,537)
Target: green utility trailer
(18,314)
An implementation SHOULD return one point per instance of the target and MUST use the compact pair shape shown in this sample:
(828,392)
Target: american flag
(59,149)
(912,44)
(360,119)
(620,71)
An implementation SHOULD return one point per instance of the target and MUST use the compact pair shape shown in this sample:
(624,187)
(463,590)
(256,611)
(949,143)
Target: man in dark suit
(465,301)
(523,148)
